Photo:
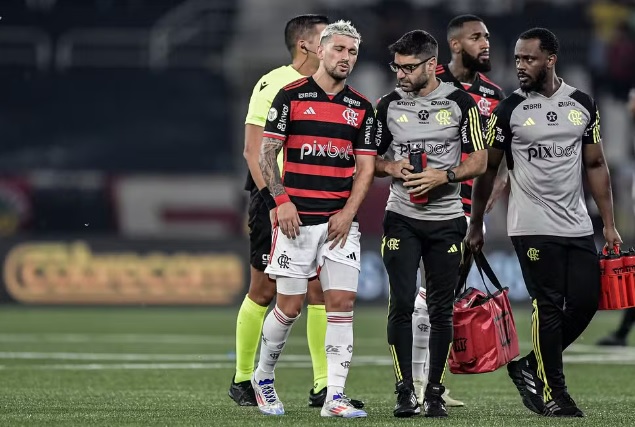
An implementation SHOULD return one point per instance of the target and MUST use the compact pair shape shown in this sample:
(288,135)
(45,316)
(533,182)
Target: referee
(549,132)
(443,121)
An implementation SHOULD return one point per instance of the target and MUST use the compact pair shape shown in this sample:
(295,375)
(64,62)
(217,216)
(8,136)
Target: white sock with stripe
(420,339)
(275,332)
(339,351)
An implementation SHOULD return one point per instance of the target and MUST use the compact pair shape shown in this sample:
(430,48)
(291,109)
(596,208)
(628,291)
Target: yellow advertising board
(71,272)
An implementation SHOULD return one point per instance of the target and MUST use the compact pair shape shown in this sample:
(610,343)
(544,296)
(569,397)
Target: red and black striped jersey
(322,134)
(487,95)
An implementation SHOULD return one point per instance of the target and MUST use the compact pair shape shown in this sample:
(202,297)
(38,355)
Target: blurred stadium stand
(108,102)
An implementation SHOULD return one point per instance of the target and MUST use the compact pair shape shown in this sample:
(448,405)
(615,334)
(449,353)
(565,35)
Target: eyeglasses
(407,68)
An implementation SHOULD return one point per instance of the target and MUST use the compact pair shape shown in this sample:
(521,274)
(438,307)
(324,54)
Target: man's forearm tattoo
(269,165)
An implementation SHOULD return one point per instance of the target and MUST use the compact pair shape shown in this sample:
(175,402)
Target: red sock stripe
(281,317)
(338,319)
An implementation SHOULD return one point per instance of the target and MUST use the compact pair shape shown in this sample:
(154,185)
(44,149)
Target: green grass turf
(53,371)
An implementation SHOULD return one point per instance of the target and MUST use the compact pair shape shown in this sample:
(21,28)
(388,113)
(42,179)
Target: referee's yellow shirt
(263,94)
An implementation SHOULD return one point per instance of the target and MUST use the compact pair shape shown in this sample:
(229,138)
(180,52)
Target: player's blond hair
(342,28)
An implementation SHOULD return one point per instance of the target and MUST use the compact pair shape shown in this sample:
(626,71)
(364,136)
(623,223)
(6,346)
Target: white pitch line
(115,338)
(30,355)
(581,359)
(147,339)
(224,361)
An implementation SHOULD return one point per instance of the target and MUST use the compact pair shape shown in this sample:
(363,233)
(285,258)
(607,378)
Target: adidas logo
(352,256)
(453,249)
(402,119)
(529,122)
(309,110)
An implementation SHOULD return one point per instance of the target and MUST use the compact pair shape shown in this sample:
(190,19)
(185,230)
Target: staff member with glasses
(424,114)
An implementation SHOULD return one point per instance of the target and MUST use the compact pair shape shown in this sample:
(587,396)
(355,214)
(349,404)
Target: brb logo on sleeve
(543,151)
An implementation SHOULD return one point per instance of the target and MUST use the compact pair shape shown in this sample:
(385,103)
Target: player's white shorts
(303,256)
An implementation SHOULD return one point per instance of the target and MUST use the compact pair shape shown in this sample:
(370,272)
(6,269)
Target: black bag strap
(464,270)
(482,265)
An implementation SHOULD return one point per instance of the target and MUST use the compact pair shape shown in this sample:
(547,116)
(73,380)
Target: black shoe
(529,386)
(316,400)
(612,340)
(562,406)
(407,405)
(433,403)
(242,393)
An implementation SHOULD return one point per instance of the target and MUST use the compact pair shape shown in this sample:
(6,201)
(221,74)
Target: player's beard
(474,64)
(338,75)
(417,85)
(535,84)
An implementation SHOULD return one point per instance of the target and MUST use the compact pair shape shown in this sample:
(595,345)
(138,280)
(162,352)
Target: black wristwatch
(451,175)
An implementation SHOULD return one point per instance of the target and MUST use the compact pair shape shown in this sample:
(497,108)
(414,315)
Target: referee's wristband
(266,196)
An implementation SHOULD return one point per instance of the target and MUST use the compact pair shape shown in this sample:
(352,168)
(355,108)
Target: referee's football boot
(529,386)
(242,393)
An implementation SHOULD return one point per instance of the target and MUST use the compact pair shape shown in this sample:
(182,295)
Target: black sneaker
(407,405)
(433,403)
(316,400)
(562,406)
(529,386)
(612,341)
(242,393)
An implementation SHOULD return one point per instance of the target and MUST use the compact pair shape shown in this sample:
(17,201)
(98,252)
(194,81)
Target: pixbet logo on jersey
(326,150)
(550,151)
(429,149)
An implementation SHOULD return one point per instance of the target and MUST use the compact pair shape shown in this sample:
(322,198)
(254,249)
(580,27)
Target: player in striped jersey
(326,129)
(468,39)
(301,35)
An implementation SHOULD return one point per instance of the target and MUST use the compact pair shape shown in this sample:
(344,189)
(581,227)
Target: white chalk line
(180,361)
(55,338)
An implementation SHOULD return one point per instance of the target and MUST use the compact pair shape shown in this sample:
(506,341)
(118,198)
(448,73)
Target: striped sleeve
(277,125)
(365,143)
(498,132)
(592,134)
(470,126)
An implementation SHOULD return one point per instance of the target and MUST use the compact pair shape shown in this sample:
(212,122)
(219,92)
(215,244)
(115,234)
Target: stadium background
(121,167)
(122,124)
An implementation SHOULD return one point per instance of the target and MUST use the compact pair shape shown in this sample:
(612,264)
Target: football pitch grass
(172,367)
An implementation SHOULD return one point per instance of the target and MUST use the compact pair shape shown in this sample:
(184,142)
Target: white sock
(275,332)
(339,351)
(420,338)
